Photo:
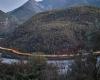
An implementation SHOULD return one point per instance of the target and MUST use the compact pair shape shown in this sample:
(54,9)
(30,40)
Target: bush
(35,69)
(83,68)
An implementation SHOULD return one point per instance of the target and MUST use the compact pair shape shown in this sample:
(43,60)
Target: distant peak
(36,0)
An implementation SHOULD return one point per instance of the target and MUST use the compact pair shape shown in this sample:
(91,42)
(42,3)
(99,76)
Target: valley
(50,40)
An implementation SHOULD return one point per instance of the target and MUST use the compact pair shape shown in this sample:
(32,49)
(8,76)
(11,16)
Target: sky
(9,5)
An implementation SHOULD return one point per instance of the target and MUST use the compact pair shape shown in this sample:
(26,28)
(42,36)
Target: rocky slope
(7,24)
(4,23)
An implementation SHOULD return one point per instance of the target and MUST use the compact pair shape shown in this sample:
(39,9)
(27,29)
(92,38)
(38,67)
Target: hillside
(55,30)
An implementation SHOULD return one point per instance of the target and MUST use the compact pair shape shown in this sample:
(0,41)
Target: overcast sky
(8,5)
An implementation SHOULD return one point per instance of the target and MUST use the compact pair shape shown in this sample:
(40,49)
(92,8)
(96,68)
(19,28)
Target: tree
(83,68)
(93,40)
(41,70)
(93,37)
(38,64)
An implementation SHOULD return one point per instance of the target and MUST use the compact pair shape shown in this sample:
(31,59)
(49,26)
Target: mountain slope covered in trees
(56,30)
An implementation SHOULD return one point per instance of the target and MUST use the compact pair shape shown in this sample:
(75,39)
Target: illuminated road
(29,54)
(51,56)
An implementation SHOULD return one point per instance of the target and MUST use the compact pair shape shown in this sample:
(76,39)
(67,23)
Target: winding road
(51,56)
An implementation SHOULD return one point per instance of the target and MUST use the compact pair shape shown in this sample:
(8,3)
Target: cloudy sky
(8,5)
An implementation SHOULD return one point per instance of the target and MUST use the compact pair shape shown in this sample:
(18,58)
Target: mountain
(94,2)
(26,11)
(4,23)
(32,7)
(55,30)
(55,4)
(69,3)
(7,23)
(3,17)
